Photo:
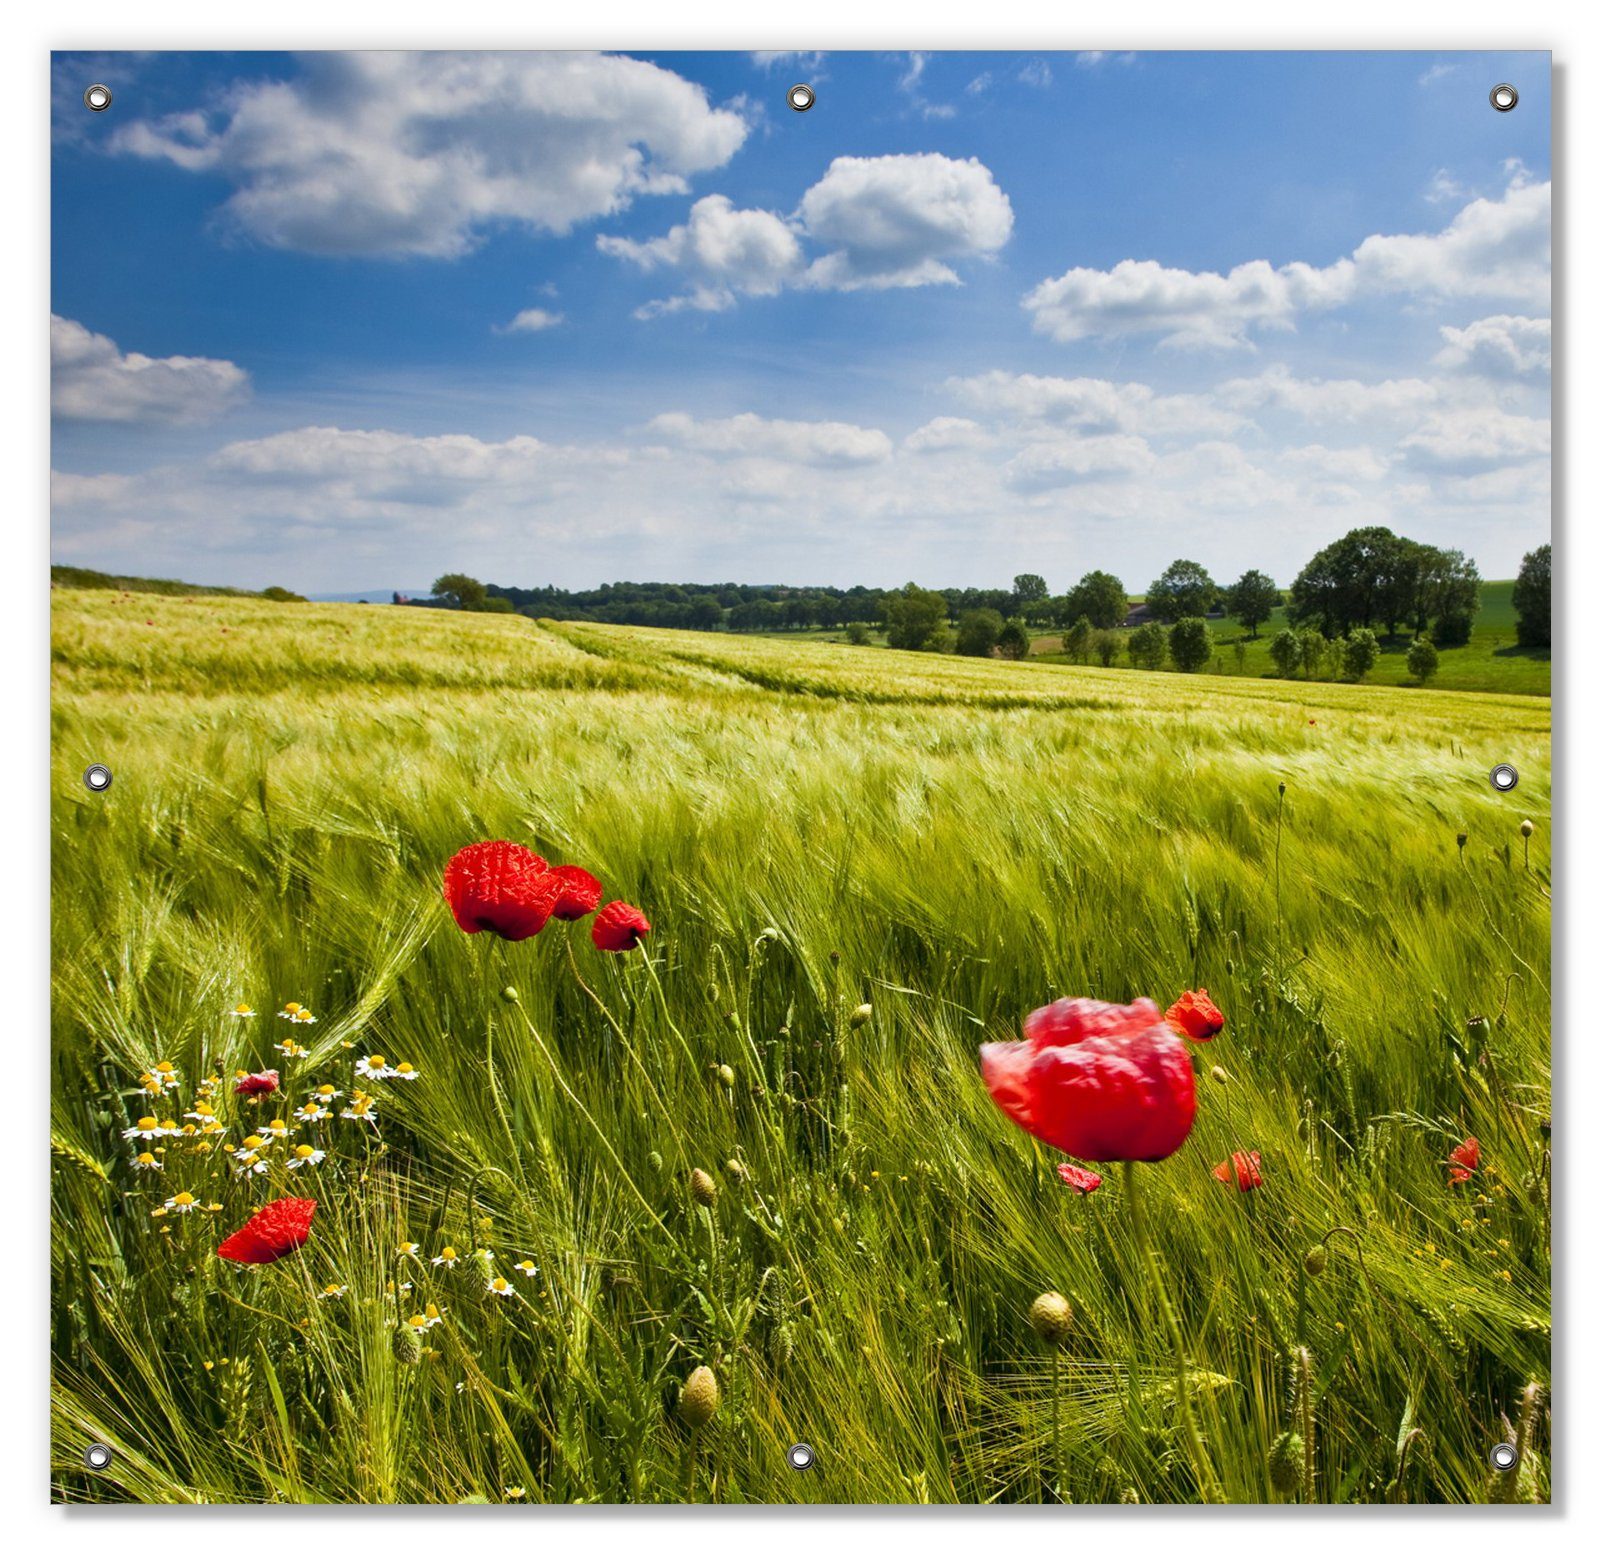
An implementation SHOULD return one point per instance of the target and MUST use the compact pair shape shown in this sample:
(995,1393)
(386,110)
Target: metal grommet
(801,1456)
(97,779)
(97,98)
(801,97)
(1504,777)
(97,1456)
(1504,98)
(1503,1456)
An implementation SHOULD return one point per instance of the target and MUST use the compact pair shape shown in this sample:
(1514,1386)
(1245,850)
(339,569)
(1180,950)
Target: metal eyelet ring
(1504,777)
(801,97)
(97,779)
(97,1456)
(97,98)
(1503,1456)
(1504,98)
(801,1456)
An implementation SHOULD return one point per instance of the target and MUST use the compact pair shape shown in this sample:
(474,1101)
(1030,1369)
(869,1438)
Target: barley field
(858,866)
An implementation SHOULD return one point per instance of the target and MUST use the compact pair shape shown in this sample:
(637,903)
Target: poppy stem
(1206,1481)
(1056,1418)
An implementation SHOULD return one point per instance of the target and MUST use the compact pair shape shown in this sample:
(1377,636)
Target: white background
(722,24)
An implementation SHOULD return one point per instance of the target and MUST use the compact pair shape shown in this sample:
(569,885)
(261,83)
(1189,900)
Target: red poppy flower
(1465,1159)
(263,1084)
(1104,1082)
(1077,1177)
(1196,1015)
(619,927)
(1244,1168)
(500,886)
(275,1229)
(581,891)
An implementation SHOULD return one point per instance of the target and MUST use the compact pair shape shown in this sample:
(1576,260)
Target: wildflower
(1244,1168)
(1103,1082)
(182,1203)
(446,1259)
(619,927)
(277,1129)
(1078,1178)
(249,1164)
(407,1249)
(304,1018)
(1051,1317)
(167,1076)
(146,1162)
(305,1155)
(312,1113)
(429,1317)
(149,1084)
(405,1071)
(290,1048)
(500,886)
(332,1292)
(580,893)
(1465,1159)
(274,1230)
(499,1286)
(289,1011)
(374,1067)
(515,1492)
(263,1084)
(1196,1016)
(527,1268)
(242,1011)
(147,1128)
(698,1398)
(203,1113)
(361,1109)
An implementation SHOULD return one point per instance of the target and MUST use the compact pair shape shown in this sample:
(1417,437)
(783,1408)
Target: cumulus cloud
(531,321)
(1075,461)
(1360,463)
(1336,401)
(1473,438)
(91,379)
(390,153)
(890,221)
(1094,405)
(1491,248)
(826,444)
(947,434)
(1498,346)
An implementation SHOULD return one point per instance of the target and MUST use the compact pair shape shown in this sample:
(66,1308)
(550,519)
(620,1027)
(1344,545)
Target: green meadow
(811,828)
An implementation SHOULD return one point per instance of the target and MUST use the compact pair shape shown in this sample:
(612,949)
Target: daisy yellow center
(499,1284)
(403,1068)
(241,1009)
(292,1009)
(304,1150)
(147,1123)
(184,1198)
(146,1158)
(168,1123)
(450,1252)
(163,1068)
(254,1142)
(376,1061)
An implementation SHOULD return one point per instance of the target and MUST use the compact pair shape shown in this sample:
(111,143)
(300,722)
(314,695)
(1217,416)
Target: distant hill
(88,578)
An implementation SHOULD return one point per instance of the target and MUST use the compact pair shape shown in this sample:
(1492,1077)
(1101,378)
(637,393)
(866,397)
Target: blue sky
(346,322)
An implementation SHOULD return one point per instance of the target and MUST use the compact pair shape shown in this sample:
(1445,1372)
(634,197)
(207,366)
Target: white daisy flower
(182,1203)
(277,1129)
(429,1317)
(248,1164)
(289,1012)
(374,1067)
(304,1018)
(304,1155)
(146,1162)
(499,1286)
(148,1128)
(332,1292)
(290,1048)
(527,1268)
(312,1113)
(242,1011)
(404,1071)
(446,1259)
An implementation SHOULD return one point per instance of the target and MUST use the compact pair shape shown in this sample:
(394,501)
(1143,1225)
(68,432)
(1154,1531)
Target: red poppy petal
(1078,1177)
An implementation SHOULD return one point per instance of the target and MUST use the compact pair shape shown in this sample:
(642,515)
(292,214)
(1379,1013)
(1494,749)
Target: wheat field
(811,829)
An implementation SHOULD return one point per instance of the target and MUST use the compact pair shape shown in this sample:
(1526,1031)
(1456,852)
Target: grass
(809,828)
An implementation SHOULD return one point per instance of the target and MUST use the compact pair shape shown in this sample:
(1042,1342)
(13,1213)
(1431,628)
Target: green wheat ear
(78,1156)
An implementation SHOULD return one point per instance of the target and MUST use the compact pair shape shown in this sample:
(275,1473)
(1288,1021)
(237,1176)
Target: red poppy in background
(500,886)
(1078,1178)
(580,894)
(263,1084)
(1244,1168)
(619,927)
(1104,1082)
(275,1229)
(1465,1159)
(1196,1015)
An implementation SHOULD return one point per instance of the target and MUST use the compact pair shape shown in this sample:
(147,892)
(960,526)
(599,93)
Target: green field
(809,828)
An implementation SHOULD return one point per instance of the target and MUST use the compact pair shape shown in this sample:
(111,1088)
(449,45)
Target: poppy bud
(1051,1317)
(509,994)
(405,1346)
(654,1161)
(1317,1260)
(1479,1028)
(834,958)
(726,1077)
(1285,1462)
(1526,828)
(735,1169)
(1462,841)
(1220,1074)
(702,1189)
(861,1015)
(698,1398)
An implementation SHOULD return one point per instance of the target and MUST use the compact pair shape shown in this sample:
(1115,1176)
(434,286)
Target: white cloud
(1094,59)
(1346,464)
(385,152)
(1331,401)
(1075,461)
(911,83)
(1501,345)
(531,321)
(1436,72)
(92,380)
(1036,73)
(947,434)
(1491,248)
(808,62)
(826,444)
(1094,405)
(1473,438)
(890,221)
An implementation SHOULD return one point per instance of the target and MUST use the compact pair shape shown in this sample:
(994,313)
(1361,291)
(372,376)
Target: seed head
(1285,1462)
(735,1169)
(1219,1074)
(1526,828)
(861,1015)
(1317,1260)
(726,1077)
(405,1345)
(783,1344)
(702,1189)
(654,1161)
(698,1398)
(1462,841)
(509,994)
(1051,1317)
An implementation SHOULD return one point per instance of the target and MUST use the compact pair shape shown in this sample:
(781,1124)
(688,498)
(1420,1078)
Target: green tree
(1029,593)
(706,614)
(1286,652)
(1148,647)
(1362,652)
(1014,641)
(978,632)
(1190,644)
(459,591)
(1315,646)
(914,618)
(1253,599)
(1185,589)
(493,605)
(1532,599)
(1105,646)
(857,633)
(1422,660)
(1100,598)
(1076,640)
(283,596)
